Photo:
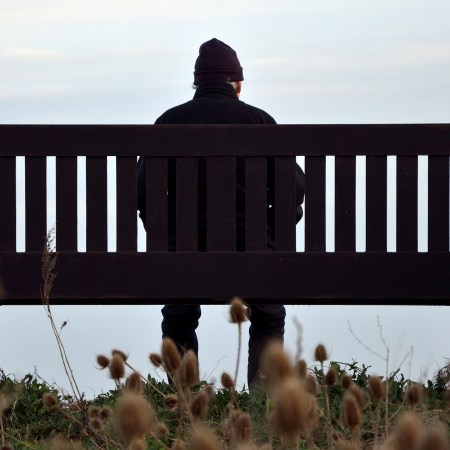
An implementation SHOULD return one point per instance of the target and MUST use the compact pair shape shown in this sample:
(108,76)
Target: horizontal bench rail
(179,261)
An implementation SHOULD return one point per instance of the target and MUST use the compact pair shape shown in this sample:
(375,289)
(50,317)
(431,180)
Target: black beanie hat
(217,61)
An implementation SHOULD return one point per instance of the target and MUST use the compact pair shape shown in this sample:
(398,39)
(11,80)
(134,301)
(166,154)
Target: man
(218,80)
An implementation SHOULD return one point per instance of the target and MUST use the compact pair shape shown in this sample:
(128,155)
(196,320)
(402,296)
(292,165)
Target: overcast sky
(127,61)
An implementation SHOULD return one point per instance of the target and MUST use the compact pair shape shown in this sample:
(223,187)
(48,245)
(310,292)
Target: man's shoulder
(265,116)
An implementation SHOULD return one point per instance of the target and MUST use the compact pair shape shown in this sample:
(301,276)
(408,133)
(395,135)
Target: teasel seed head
(408,431)
(156,359)
(291,407)
(199,404)
(120,353)
(6,447)
(351,411)
(4,403)
(178,445)
(161,429)
(311,385)
(94,411)
(414,394)
(209,390)
(203,439)
(134,416)
(241,427)
(435,438)
(358,393)
(189,373)
(134,382)
(170,402)
(105,413)
(170,355)
(50,400)
(95,424)
(377,390)
(320,353)
(346,381)
(227,381)
(331,377)
(275,365)
(102,361)
(345,445)
(117,367)
(137,444)
(302,369)
(237,310)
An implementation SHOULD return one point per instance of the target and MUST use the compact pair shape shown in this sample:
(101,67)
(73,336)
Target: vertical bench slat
(157,203)
(376,203)
(66,203)
(438,203)
(407,203)
(186,204)
(315,229)
(8,203)
(345,199)
(126,203)
(285,204)
(35,202)
(96,204)
(255,204)
(221,204)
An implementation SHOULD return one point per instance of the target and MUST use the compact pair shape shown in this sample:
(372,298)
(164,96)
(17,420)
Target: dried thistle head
(93,411)
(350,411)
(137,444)
(102,361)
(414,394)
(105,413)
(156,359)
(302,369)
(95,424)
(188,372)
(170,401)
(117,367)
(311,384)
(359,395)
(120,353)
(4,403)
(202,438)
(346,445)
(227,381)
(170,355)
(292,408)
(346,381)
(376,389)
(199,404)
(275,365)
(331,377)
(134,382)
(134,416)
(408,431)
(6,447)
(320,353)
(178,445)
(50,401)
(237,310)
(435,438)
(240,427)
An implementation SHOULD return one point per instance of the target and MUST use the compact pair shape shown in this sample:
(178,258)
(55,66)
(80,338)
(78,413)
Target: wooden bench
(156,276)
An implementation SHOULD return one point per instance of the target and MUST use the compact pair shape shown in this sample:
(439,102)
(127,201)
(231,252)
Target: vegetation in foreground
(327,405)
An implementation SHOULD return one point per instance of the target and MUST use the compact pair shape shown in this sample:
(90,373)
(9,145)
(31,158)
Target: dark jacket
(216,103)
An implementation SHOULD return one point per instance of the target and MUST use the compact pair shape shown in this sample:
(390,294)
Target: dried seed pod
(345,445)
(170,402)
(414,394)
(178,445)
(93,411)
(331,377)
(302,369)
(227,381)
(203,439)
(161,429)
(241,427)
(95,424)
(134,382)
(346,381)
(199,404)
(377,390)
(311,384)
(320,353)
(105,413)
(102,361)
(119,353)
(351,411)
(170,355)
(50,400)
(435,438)
(156,359)
(408,431)
(117,367)
(188,373)
(358,393)
(275,365)
(237,311)
(137,444)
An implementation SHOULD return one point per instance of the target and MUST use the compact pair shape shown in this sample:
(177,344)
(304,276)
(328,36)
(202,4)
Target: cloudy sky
(126,62)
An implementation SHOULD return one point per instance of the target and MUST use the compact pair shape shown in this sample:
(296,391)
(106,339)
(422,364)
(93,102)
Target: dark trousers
(266,323)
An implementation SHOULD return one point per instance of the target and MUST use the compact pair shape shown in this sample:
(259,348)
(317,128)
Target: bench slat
(376,203)
(8,202)
(187,204)
(96,204)
(255,204)
(66,203)
(407,203)
(345,198)
(438,203)
(221,204)
(35,202)
(315,203)
(126,203)
(157,203)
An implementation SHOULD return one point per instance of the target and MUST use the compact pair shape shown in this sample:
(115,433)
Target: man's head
(217,61)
